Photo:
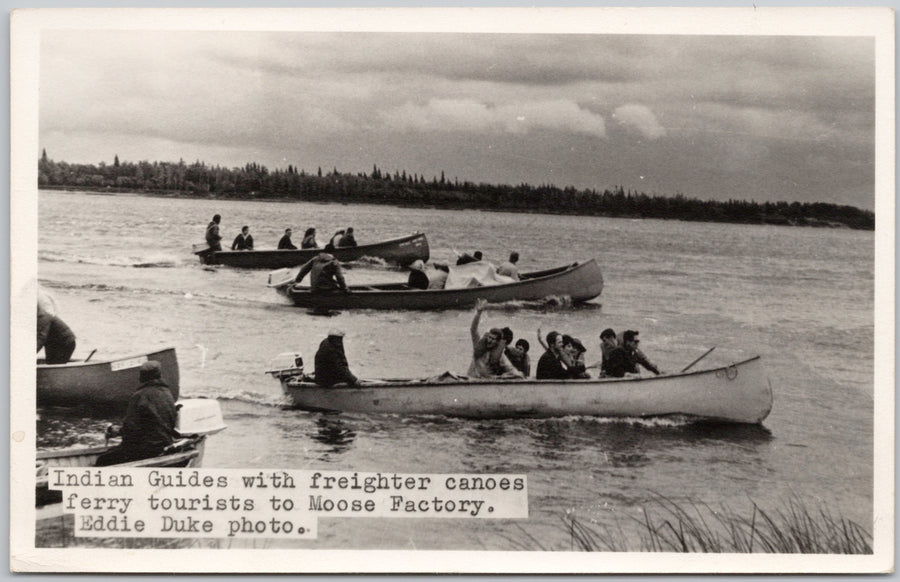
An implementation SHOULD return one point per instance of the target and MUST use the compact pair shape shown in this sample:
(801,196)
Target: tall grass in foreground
(666,526)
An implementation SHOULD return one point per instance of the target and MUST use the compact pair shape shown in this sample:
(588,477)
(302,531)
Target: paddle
(94,351)
(691,365)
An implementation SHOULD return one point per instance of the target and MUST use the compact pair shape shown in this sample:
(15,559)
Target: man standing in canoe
(331,362)
(213,238)
(149,423)
(325,274)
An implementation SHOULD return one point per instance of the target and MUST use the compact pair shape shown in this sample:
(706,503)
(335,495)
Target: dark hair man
(285,242)
(625,358)
(243,241)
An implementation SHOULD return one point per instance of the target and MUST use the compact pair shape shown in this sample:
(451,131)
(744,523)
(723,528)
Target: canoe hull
(401,251)
(578,282)
(739,393)
(101,384)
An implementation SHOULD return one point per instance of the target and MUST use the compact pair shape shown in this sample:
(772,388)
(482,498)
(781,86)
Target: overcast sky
(762,118)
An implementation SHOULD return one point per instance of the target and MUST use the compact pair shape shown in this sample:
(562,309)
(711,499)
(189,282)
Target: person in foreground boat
(149,423)
(55,337)
(552,364)
(325,274)
(518,354)
(213,238)
(331,365)
(625,358)
(574,351)
(243,241)
(488,357)
(608,342)
(285,242)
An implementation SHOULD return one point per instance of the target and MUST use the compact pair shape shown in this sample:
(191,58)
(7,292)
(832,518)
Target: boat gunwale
(259,252)
(289,384)
(540,278)
(83,364)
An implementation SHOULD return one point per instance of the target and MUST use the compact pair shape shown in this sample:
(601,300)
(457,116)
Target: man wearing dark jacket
(285,242)
(625,358)
(149,423)
(348,240)
(243,241)
(325,274)
(331,362)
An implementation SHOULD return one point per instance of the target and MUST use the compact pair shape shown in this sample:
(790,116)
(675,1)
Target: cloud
(641,119)
(469,115)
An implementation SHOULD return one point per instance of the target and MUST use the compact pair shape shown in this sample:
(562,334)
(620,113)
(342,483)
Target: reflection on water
(332,431)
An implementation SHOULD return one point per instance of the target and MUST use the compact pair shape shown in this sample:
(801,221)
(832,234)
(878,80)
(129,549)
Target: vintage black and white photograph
(556,290)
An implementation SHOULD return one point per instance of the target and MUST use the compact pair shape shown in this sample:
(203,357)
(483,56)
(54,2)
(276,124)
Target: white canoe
(740,392)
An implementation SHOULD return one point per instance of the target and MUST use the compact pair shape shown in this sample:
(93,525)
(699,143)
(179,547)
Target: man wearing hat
(149,423)
(331,362)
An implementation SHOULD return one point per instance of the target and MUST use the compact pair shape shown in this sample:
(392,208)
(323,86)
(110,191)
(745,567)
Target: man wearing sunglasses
(625,358)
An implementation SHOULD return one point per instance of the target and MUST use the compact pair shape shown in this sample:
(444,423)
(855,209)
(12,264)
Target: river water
(121,271)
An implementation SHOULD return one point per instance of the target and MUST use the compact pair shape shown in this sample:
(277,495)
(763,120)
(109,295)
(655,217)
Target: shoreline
(110,191)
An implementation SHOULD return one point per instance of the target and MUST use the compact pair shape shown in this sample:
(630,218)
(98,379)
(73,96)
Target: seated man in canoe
(243,241)
(54,336)
(149,423)
(488,357)
(285,242)
(325,274)
(555,363)
(331,362)
(624,359)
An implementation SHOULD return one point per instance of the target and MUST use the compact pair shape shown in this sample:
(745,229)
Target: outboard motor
(286,365)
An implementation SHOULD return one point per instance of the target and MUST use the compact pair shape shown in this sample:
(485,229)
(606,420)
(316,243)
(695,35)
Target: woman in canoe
(309,239)
(488,359)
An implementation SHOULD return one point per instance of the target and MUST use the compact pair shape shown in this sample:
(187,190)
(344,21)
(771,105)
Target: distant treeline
(379,187)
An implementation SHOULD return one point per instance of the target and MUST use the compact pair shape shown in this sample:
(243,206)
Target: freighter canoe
(739,392)
(578,282)
(106,384)
(401,251)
